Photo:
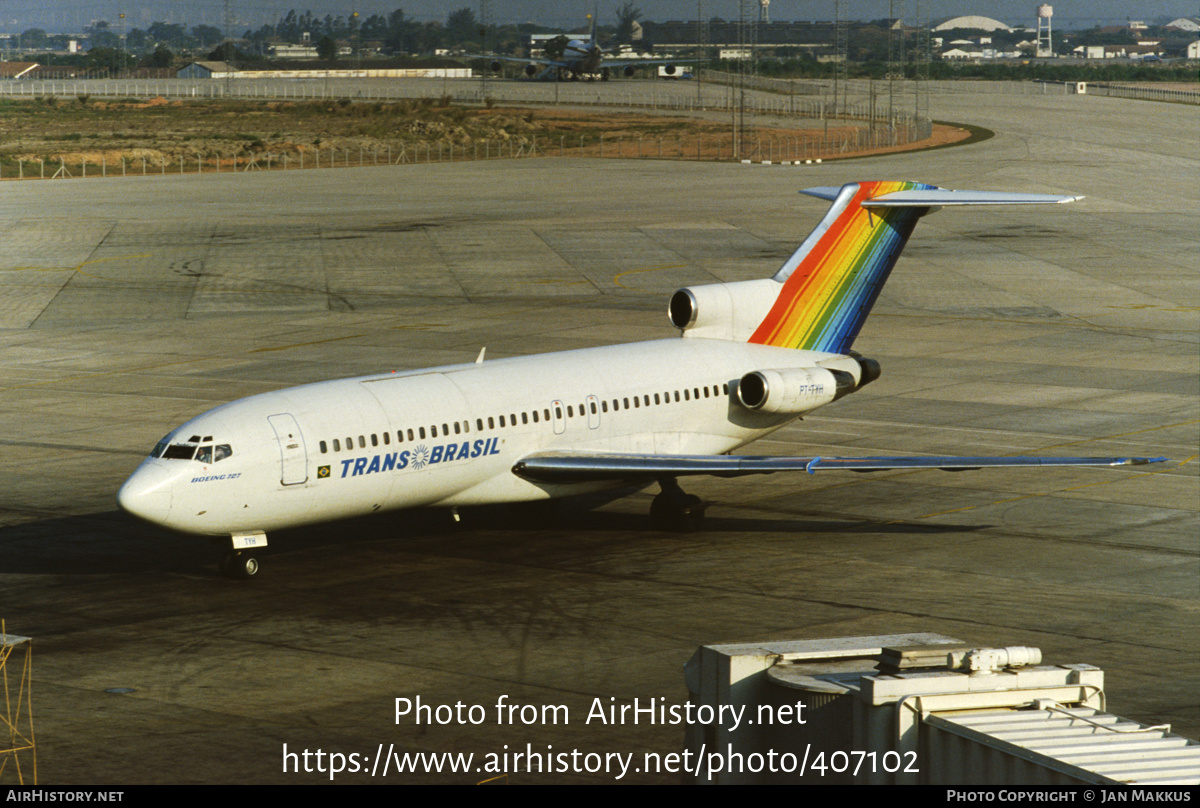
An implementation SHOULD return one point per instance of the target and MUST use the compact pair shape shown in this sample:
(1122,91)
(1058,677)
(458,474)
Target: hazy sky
(73,15)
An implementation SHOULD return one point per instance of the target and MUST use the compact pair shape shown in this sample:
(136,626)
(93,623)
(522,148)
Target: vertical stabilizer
(820,297)
(834,278)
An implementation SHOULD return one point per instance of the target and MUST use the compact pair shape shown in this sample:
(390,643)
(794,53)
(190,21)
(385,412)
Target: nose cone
(147,494)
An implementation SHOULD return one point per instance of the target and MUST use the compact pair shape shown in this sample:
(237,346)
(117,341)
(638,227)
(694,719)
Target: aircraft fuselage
(449,436)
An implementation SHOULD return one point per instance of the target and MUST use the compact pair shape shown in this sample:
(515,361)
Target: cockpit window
(179,451)
(202,454)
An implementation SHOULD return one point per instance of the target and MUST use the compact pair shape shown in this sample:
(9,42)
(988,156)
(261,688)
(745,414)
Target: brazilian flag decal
(322,472)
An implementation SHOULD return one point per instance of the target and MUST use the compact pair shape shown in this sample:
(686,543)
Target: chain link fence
(802,123)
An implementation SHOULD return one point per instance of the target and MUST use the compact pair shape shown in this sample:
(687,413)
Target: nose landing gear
(239,560)
(238,564)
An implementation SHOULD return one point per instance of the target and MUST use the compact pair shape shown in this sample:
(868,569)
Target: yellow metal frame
(17,720)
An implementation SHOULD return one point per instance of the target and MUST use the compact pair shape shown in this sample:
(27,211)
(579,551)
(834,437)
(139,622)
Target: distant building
(1117,51)
(286,51)
(974,23)
(206,70)
(1185,24)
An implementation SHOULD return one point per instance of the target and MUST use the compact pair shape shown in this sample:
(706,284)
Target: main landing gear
(674,510)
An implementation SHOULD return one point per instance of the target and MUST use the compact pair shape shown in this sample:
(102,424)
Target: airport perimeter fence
(801,148)
(1144,92)
(816,134)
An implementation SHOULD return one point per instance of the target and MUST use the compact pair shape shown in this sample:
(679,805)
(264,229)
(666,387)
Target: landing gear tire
(676,511)
(239,565)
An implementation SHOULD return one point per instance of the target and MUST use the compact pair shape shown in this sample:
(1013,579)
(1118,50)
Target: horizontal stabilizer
(942,197)
(561,467)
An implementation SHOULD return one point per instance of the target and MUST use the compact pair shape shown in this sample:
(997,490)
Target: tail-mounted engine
(723,310)
(791,391)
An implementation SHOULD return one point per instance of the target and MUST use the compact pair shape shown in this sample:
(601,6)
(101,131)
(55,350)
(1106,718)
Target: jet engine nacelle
(495,65)
(531,70)
(669,70)
(723,310)
(628,70)
(792,390)
(796,390)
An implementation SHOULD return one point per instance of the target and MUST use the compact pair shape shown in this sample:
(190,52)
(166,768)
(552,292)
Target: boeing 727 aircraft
(581,58)
(754,356)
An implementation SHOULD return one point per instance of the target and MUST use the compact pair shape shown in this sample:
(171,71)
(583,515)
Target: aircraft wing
(525,60)
(575,467)
(616,63)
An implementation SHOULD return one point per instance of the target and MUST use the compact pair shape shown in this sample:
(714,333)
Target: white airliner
(754,356)
(582,58)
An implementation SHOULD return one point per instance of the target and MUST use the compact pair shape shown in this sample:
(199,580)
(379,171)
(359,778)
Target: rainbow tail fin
(820,297)
(831,282)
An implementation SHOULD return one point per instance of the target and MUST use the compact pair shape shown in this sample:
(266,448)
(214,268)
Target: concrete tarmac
(130,305)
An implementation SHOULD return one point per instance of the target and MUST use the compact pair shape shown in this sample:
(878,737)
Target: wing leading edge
(562,467)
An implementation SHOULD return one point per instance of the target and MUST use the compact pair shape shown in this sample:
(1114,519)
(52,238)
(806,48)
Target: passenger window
(491,422)
(337,445)
(324,448)
(423,433)
(501,421)
(479,424)
(592,404)
(646,398)
(626,403)
(374,439)
(535,416)
(445,429)
(558,412)
(457,428)
(637,402)
(604,406)
(387,438)
(349,444)
(524,417)
(432,431)
(410,434)
(547,411)
(362,442)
